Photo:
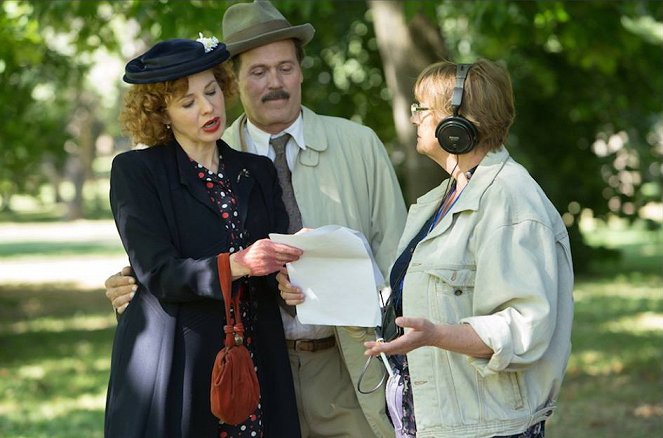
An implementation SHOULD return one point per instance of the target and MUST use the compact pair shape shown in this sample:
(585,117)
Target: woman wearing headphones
(482,289)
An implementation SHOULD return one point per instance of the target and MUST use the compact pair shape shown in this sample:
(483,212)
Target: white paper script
(338,276)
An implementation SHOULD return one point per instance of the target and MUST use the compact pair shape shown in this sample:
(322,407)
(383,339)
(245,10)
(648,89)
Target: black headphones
(456,134)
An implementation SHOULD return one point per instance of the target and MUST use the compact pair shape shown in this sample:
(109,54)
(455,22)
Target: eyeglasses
(415,109)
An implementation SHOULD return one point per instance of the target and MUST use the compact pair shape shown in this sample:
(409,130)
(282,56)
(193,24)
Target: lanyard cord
(444,207)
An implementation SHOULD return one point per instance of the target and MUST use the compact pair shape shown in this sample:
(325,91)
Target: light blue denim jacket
(499,261)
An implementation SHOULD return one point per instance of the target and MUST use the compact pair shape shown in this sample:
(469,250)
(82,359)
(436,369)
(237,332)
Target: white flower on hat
(208,43)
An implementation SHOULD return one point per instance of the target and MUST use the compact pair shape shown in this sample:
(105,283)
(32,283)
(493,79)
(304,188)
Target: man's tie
(288,196)
(285,179)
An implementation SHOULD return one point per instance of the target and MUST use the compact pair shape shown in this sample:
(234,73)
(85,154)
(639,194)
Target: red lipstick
(212,125)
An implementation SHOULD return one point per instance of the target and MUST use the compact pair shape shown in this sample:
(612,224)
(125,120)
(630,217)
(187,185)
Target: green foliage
(586,77)
(588,97)
(33,115)
(344,75)
(343,70)
(581,71)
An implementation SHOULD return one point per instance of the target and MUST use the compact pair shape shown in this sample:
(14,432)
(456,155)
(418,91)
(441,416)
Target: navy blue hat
(174,59)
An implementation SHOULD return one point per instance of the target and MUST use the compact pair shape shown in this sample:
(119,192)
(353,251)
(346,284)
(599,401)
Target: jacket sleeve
(515,295)
(139,207)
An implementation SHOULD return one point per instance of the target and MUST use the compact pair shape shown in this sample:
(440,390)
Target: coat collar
(315,143)
(484,176)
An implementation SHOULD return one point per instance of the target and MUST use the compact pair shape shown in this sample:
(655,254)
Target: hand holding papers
(338,276)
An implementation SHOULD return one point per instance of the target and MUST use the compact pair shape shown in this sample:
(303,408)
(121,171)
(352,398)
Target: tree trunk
(5,201)
(80,165)
(54,175)
(405,51)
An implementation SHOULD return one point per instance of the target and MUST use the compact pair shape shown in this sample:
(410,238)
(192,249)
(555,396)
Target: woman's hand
(422,332)
(120,289)
(262,257)
(291,294)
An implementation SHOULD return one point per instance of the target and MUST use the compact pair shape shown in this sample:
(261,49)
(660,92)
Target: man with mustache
(339,174)
(275,95)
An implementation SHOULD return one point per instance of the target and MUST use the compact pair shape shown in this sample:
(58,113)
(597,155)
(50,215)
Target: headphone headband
(457,98)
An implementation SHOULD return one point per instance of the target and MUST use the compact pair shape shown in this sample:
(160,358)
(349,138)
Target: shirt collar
(260,138)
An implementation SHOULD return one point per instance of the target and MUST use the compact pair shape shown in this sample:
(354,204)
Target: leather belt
(311,345)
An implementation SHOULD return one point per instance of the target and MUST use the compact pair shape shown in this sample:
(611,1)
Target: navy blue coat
(168,337)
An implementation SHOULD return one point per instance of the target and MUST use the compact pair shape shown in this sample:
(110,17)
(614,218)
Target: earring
(167,125)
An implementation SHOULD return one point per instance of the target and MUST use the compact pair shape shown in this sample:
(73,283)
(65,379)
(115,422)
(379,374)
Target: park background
(589,127)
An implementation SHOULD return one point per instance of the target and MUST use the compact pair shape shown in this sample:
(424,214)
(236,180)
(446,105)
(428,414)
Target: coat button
(458,292)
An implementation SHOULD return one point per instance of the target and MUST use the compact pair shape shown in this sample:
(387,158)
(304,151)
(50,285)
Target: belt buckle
(311,345)
(304,345)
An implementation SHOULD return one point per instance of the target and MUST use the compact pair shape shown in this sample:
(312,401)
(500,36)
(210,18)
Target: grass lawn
(55,342)
(55,347)
(614,382)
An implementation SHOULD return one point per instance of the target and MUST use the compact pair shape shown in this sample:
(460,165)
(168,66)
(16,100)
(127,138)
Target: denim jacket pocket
(453,290)
(502,395)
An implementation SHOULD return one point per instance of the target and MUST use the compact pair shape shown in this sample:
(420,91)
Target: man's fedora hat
(250,25)
(174,59)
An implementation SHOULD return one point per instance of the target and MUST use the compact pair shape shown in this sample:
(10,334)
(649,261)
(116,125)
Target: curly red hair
(143,115)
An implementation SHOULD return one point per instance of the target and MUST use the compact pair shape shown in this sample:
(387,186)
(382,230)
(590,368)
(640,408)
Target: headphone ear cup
(456,135)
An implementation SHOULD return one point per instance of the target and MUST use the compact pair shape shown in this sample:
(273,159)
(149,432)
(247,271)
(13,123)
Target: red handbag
(235,391)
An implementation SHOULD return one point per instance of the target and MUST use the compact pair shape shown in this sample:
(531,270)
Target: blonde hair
(487,99)
(143,115)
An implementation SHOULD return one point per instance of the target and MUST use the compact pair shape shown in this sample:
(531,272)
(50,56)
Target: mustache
(275,95)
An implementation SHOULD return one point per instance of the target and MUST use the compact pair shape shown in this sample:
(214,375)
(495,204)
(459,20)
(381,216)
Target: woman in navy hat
(178,204)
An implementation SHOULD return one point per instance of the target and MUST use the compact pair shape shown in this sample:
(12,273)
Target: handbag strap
(234,329)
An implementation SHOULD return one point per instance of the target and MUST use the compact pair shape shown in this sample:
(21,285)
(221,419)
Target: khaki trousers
(326,400)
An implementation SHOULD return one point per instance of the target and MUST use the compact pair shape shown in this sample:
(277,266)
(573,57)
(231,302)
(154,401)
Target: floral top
(222,197)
